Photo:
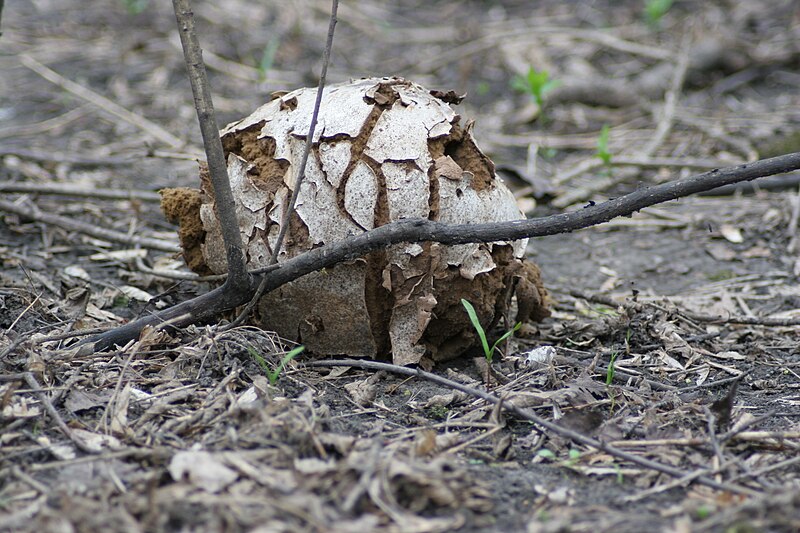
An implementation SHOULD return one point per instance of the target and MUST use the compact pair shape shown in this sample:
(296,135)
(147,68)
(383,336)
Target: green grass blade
(260,360)
(273,376)
(473,317)
(503,337)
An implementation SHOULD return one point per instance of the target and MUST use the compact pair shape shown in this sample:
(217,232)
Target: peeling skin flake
(385,149)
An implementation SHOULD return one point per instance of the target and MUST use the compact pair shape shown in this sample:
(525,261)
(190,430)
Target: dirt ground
(673,333)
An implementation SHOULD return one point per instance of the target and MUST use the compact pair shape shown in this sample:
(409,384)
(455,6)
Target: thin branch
(206,307)
(536,419)
(93,230)
(238,278)
(30,380)
(326,57)
(301,172)
(419,230)
(68,189)
(101,101)
(71,159)
(670,101)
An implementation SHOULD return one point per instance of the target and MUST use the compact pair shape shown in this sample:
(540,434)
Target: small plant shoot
(611,368)
(274,374)
(654,11)
(537,84)
(488,352)
(135,7)
(602,146)
(267,58)
(547,454)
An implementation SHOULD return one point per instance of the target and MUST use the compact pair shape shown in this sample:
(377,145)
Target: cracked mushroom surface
(384,149)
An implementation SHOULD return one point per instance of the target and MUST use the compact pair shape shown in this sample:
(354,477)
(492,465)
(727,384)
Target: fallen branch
(101,102)
(536,419)
(93,230)
(217,301)
(301,172)
(70,159)
(68,189)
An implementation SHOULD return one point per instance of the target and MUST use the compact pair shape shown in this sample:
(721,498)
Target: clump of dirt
(266,171)
(182,205)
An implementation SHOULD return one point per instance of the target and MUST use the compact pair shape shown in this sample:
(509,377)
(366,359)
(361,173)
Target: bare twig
(67,189)
(750,320)
(30,380)
(209,305)
(326,57)
(301,172)
(532,417)
(769,468)
(101,101)
(93,230)
(72,159)
(191,276)
(670,102)
(663,128)
(593,163)
(238,282)
(658,489)
(475,46)
(30,481)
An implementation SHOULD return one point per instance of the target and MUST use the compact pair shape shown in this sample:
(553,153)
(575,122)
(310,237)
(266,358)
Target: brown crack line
(379,301)
(357,147)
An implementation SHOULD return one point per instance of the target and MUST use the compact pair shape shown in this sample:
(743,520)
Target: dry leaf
(731,233)
(202,470)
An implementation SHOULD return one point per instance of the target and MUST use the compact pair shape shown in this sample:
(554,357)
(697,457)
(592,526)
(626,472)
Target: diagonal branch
(301,172)
(30,211)
(211,304)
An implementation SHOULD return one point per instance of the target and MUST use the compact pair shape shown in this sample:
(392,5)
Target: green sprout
(267,58)
(135,7)
(548,153)
(274,374)
(602,146)
(536,84)
(611,368)
(438,412)
(654,11)
(573,457)
(547,454)
(473,317)
(703,512)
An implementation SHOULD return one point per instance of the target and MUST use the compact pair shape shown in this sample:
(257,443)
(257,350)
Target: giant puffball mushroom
(384,149)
